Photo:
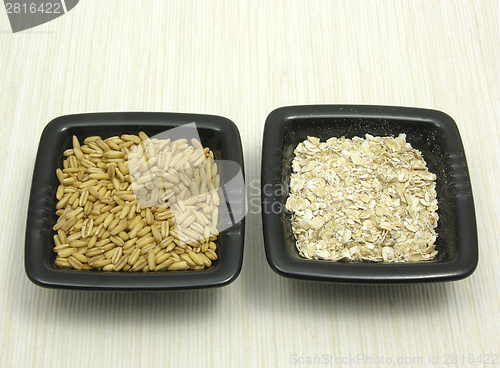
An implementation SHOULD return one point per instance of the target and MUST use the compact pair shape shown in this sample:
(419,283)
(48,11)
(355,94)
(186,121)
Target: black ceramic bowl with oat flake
(217,133)
(432,132)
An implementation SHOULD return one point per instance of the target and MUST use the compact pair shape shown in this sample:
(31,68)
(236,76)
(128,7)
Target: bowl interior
(209,138)
(425,136)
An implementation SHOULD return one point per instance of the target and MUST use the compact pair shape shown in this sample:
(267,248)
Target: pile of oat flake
(358,199)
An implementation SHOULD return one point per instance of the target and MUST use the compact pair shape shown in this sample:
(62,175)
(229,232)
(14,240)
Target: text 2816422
(32,8)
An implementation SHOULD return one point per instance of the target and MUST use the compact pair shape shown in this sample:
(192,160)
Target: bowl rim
(37,266)
(462,265)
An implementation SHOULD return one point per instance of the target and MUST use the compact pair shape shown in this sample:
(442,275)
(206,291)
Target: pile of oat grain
(124,209)
(367,199)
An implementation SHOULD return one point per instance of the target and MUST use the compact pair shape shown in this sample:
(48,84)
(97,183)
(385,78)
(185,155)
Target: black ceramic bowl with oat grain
(219,134)
(434,133)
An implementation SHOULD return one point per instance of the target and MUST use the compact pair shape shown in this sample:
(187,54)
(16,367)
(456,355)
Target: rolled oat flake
(366,199)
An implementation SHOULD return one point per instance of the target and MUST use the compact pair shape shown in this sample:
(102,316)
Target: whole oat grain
(106,223)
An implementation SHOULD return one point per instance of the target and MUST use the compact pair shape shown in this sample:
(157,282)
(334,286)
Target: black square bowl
(218,133)
(432,132)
